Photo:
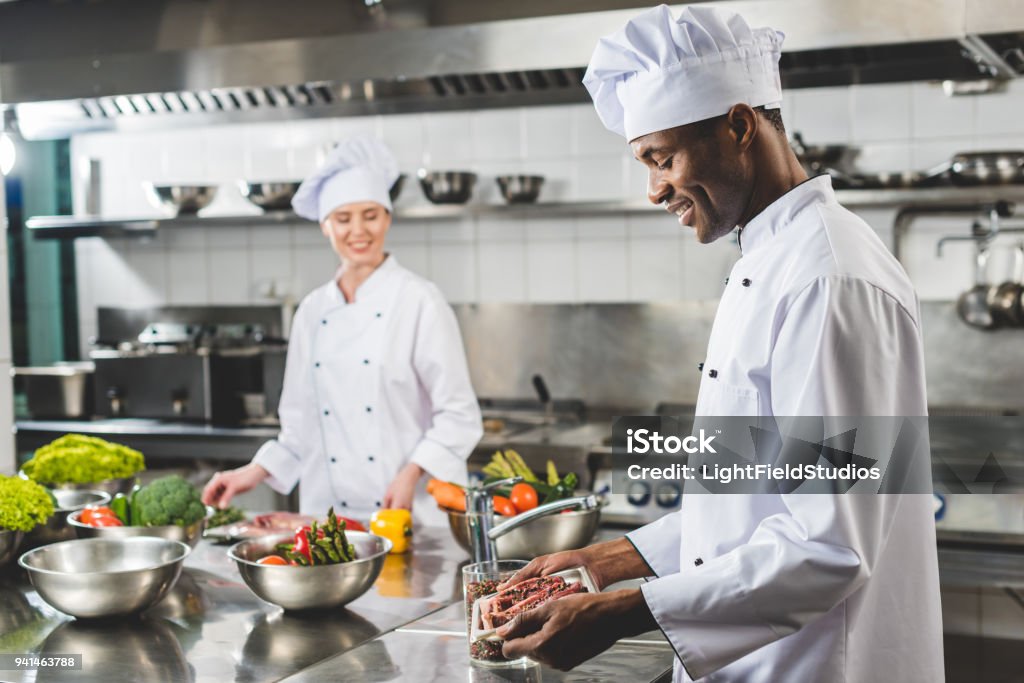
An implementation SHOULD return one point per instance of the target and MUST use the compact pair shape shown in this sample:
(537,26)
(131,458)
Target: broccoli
(170,500)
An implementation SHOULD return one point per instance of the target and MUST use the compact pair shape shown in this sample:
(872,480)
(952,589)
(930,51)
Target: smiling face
(700,172)
(356,232)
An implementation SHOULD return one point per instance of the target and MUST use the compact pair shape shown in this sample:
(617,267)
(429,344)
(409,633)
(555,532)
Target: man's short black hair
(774,117)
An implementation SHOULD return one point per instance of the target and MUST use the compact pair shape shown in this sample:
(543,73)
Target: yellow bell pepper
(395,525)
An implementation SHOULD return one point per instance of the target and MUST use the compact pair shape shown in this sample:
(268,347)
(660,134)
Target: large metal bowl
(103,577)
(180,199)
(189,535)
(269,196)
(447,187)
(112,487)
(520,189)
(10,541)
(300,588)
(542,536)
(56,528)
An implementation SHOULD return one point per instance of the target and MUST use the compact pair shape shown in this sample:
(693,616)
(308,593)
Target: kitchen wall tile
(636,173)
(934,278)
(269,236)
(548,132)
(600,179)
(655,268)
(506,227)
(185,157)
(313,267)
(559,178)
(601,227)
(550,229)
(936,115)
(415,257)
(348,126)
(823,115)
(551,270)
(187,278)
(880,112)
(449,142)
(502,271)
(876,157)
(458,230)
(403,134)
(229,276)
(225,150)
(271,273)
(705,266)
(147,270)
(227,238)
(307,234)
(266,151)
(453,268)
(404,232)
(590,137)
(497,134)
(1003,112)
(112,277)
(185,236)
(84,268)
(656,224)
(603,270)
(926,154)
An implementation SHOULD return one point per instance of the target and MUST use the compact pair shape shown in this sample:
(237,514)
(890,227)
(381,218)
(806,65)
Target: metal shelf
(70,227)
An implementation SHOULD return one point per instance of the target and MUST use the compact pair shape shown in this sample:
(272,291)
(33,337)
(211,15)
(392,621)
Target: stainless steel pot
(972,306)
(542,536)
(447,187)
(1004,300)
(59,391)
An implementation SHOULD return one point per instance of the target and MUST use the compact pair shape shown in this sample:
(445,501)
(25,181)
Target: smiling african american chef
(817,319)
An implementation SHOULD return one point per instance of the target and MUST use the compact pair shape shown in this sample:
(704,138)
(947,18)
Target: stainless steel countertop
(143,427)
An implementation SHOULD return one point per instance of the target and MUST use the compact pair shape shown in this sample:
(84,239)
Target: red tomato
(503,506)
(100,521)
(524,497)
(351,524)
(273,559)
(89,513)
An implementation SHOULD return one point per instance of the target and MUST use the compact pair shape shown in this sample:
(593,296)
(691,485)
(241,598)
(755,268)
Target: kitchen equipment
(188,535)
(520,189)
(396,187)
(269,196)
(321,586)
(57,528)
(816,159)
(180,199)
(447,187)
(10,541)
(111,487)
(480,580)
(1004,300)
(58,391)
(544,396)
(987,168)
(102,577)
(890,180)
(972,306)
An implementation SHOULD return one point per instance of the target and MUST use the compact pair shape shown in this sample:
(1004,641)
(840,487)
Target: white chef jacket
(817,318)
(370,386)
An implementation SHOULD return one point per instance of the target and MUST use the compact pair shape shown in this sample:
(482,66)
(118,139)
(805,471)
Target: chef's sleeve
(839,351)
(282,457)
(658,544)
(456,424)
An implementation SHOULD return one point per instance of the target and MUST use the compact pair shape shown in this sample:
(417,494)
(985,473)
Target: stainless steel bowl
(10,541)
(102,577)
(520,189)
(56,528)
(180,199)
(396,187)
(112,487)
(269,196)
(544,535)
(299,588)
(189,535)
(447,187)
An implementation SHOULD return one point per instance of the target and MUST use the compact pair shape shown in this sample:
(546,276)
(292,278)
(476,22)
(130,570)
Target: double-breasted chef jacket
(817,318)
(369,386)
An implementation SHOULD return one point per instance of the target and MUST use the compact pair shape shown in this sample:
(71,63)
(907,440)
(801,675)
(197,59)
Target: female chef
(376,389)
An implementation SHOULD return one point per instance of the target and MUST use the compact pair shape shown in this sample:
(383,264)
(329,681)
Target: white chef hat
(359,169)
(659,72)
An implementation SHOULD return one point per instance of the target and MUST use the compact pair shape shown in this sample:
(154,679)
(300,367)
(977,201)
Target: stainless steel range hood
(403,55)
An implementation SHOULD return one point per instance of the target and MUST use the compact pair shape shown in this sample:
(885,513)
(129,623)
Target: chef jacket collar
(370,286)
(777,215)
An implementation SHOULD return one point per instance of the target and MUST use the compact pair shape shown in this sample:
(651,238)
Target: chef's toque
(360,169)
(658,72)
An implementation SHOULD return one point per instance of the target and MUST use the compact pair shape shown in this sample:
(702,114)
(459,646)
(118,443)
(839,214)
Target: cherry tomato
(99,521)
(273,559)
(503,506)
(97,511)
(524,497)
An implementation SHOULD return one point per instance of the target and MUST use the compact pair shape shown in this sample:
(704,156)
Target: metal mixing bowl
(298,588)
(112,487)
(180,199)
(269,196)
(102,577)
(10,541)
(544,535)
(56,528)
(189,535)
(447,187)
(520,189)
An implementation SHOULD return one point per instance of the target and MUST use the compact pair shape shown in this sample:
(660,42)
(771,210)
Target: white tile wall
(515,258)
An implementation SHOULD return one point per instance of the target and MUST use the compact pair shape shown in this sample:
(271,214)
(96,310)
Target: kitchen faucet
(483,535)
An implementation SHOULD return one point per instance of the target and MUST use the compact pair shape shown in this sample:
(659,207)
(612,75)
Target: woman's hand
(224,486)
(403,487)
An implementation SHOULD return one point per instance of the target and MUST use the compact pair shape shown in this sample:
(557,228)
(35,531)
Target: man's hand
(402,488)
(224,486)
(607,563)
(566,632)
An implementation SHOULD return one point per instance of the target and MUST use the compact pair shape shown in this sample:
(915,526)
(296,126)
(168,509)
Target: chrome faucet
(480,515)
